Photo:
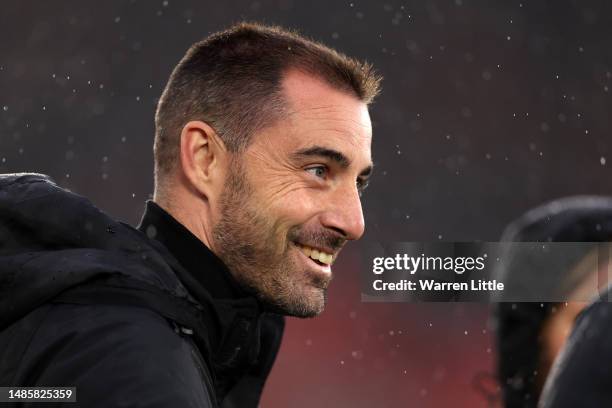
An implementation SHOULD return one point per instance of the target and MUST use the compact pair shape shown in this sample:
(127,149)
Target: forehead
(319,114)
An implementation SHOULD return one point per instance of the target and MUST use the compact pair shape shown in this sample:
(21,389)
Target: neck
(191,210)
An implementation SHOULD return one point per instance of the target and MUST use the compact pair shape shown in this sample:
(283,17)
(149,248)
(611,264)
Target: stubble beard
(259,256)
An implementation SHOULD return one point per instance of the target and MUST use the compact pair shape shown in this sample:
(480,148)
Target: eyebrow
(334,155)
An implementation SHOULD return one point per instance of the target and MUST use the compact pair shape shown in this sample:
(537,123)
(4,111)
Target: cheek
(295,208)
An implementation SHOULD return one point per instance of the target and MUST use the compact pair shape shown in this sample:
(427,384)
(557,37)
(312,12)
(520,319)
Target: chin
(310,303)
(307,302)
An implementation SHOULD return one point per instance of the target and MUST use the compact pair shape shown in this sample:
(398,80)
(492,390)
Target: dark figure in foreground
(582,375)
(262,148)
(530,335)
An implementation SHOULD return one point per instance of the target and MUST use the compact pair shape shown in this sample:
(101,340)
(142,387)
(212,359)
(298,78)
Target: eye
(318,171)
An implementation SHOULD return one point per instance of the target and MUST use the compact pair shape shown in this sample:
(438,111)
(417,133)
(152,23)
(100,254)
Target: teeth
(325,258)
(317,255)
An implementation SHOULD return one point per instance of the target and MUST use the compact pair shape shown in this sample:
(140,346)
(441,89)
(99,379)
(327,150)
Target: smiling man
(278,212)
(262,149)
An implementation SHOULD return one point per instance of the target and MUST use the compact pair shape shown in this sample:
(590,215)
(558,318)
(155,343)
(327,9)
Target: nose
(344,213)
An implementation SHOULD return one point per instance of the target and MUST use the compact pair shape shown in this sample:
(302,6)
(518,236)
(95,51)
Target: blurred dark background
(488,108)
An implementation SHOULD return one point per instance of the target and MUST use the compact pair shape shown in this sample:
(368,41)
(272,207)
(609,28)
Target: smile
(316,255)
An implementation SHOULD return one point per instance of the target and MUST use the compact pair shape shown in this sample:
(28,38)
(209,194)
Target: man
(262,148)
(529,335)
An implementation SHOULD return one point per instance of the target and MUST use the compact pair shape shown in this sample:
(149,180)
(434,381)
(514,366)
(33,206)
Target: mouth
(315,257)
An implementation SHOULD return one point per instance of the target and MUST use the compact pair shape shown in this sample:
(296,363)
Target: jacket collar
(205,271)
(234,342)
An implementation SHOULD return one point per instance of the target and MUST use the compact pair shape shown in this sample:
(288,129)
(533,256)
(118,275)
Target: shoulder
(75,319)
(134,352)
(112,334)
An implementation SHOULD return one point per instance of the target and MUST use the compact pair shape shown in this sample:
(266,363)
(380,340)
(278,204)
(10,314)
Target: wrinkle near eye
(285,188)
(271,160)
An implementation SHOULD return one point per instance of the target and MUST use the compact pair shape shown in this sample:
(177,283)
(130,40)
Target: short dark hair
(232,81)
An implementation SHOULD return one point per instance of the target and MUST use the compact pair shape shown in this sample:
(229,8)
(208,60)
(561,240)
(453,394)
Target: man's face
(292,201)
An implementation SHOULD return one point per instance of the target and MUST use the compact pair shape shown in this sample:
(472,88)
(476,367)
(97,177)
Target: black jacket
(90,302)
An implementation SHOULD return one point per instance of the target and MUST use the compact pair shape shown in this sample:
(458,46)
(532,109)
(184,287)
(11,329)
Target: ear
(203,157)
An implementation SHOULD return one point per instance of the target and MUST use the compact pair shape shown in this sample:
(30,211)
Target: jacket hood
(52,240)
